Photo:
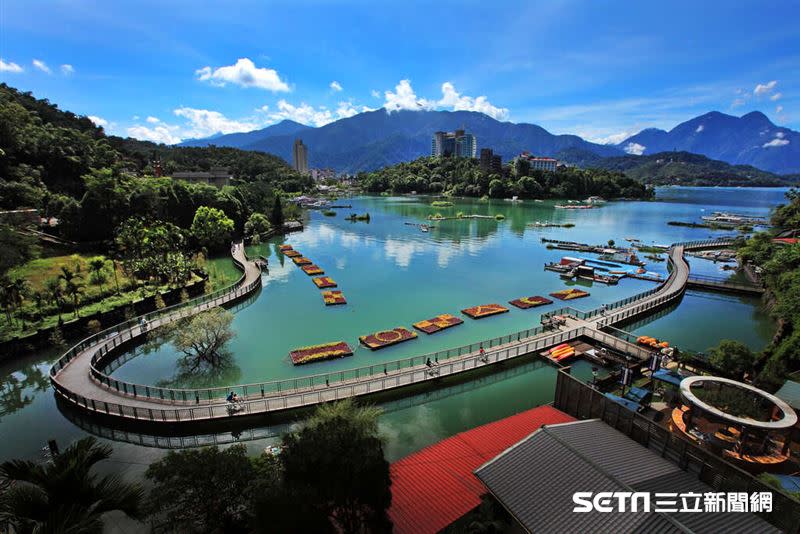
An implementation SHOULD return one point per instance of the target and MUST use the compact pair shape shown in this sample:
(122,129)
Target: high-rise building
(300,157)
(491,162)
(458,144)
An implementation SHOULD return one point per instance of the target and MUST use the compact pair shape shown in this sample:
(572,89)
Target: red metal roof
(435,486)
(786,240)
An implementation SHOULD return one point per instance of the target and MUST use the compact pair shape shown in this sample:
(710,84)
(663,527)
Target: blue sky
(176,69)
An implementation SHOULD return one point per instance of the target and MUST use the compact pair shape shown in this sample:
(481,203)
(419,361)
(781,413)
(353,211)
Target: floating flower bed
(530,302)
(312,270)
(285,248)
(378,340)
(318,353)
(440,322)
(333,297)
(569,294)
(300,260)
(324,282)
(292,253)
(484,310)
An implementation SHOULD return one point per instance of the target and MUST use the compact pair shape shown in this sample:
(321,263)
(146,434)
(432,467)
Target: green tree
(202,490)
(96,270)
(203,338)
(64,495)
(276,215)
(16,248)
(212,228)
(732,358)
(341,441)
(56,294)
(72,286)
(257,224)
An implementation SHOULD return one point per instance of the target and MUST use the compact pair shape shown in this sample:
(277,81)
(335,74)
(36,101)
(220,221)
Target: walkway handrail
(290,385)
(117,332)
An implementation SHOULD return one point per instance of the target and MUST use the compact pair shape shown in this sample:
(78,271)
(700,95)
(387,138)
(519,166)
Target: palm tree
(71,286)
(39,298)
(63,495)
(19,290)
(96,266)
(6,297)
(56,294)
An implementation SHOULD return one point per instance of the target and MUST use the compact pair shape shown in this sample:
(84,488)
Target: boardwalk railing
(205,403)
(324,380)
(129,329)
(297,399)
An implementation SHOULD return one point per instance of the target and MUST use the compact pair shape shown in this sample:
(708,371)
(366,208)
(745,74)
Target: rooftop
(435,486)
(591,456)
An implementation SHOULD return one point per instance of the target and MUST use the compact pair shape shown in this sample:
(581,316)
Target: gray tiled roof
(536,478)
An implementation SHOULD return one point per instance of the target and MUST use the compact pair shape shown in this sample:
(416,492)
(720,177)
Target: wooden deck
(78,377)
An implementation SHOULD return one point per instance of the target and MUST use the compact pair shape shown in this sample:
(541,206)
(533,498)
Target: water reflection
(19,389)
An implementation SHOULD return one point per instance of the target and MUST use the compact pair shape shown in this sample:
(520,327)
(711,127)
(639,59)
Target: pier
(79,377)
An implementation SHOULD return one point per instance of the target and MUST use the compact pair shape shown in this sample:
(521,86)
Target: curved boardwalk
(78,376)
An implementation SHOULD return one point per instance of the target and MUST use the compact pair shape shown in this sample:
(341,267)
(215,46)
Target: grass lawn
(97,296)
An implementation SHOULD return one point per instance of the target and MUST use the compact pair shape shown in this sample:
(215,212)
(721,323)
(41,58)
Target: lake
(393,274)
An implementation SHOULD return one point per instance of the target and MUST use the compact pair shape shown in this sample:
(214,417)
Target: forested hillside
(464,177)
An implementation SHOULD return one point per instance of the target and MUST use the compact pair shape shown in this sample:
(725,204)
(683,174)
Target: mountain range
(376,139)
(751,139)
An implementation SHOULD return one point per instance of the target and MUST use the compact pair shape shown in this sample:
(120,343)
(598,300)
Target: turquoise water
(393,275)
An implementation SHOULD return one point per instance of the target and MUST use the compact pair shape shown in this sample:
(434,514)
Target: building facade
(491,162)
(216,176)
(538,162)
(300,157)
(458,144)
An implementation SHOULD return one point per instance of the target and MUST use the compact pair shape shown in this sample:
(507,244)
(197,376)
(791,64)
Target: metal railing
(275,393)
(333,392)
(583,402)
(124,331)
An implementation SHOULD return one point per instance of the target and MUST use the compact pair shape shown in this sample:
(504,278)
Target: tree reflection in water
(19,389)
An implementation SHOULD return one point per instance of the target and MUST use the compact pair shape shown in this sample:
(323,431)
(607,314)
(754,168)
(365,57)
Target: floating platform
(301,260)
(484,310)
(324,282)
(438,323)
(312,270)
(284,248)
(318,353)
(384,338)
(530,302)
(291,253)
(569,294)
(333,297)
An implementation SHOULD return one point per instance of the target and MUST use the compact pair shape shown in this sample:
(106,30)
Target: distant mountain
(684,168)
(239,140)
(376,139)
(751,139)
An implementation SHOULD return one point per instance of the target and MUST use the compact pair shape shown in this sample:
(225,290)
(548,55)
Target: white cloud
(245,74)
(41,65)
(159,134)
(98,121)
(67,69)
(375,94)
(779,109)
(9,67)
(700,128)
(303,114)
(336,86)
(779,135)
(635,148)
(776,143)
(610,139)
(765,88)
(776,97)
(203,122)
(738,102)
(152,120)
(405,98)
(458,102)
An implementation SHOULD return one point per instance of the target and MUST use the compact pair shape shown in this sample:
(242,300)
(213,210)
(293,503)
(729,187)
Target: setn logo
(611,501)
